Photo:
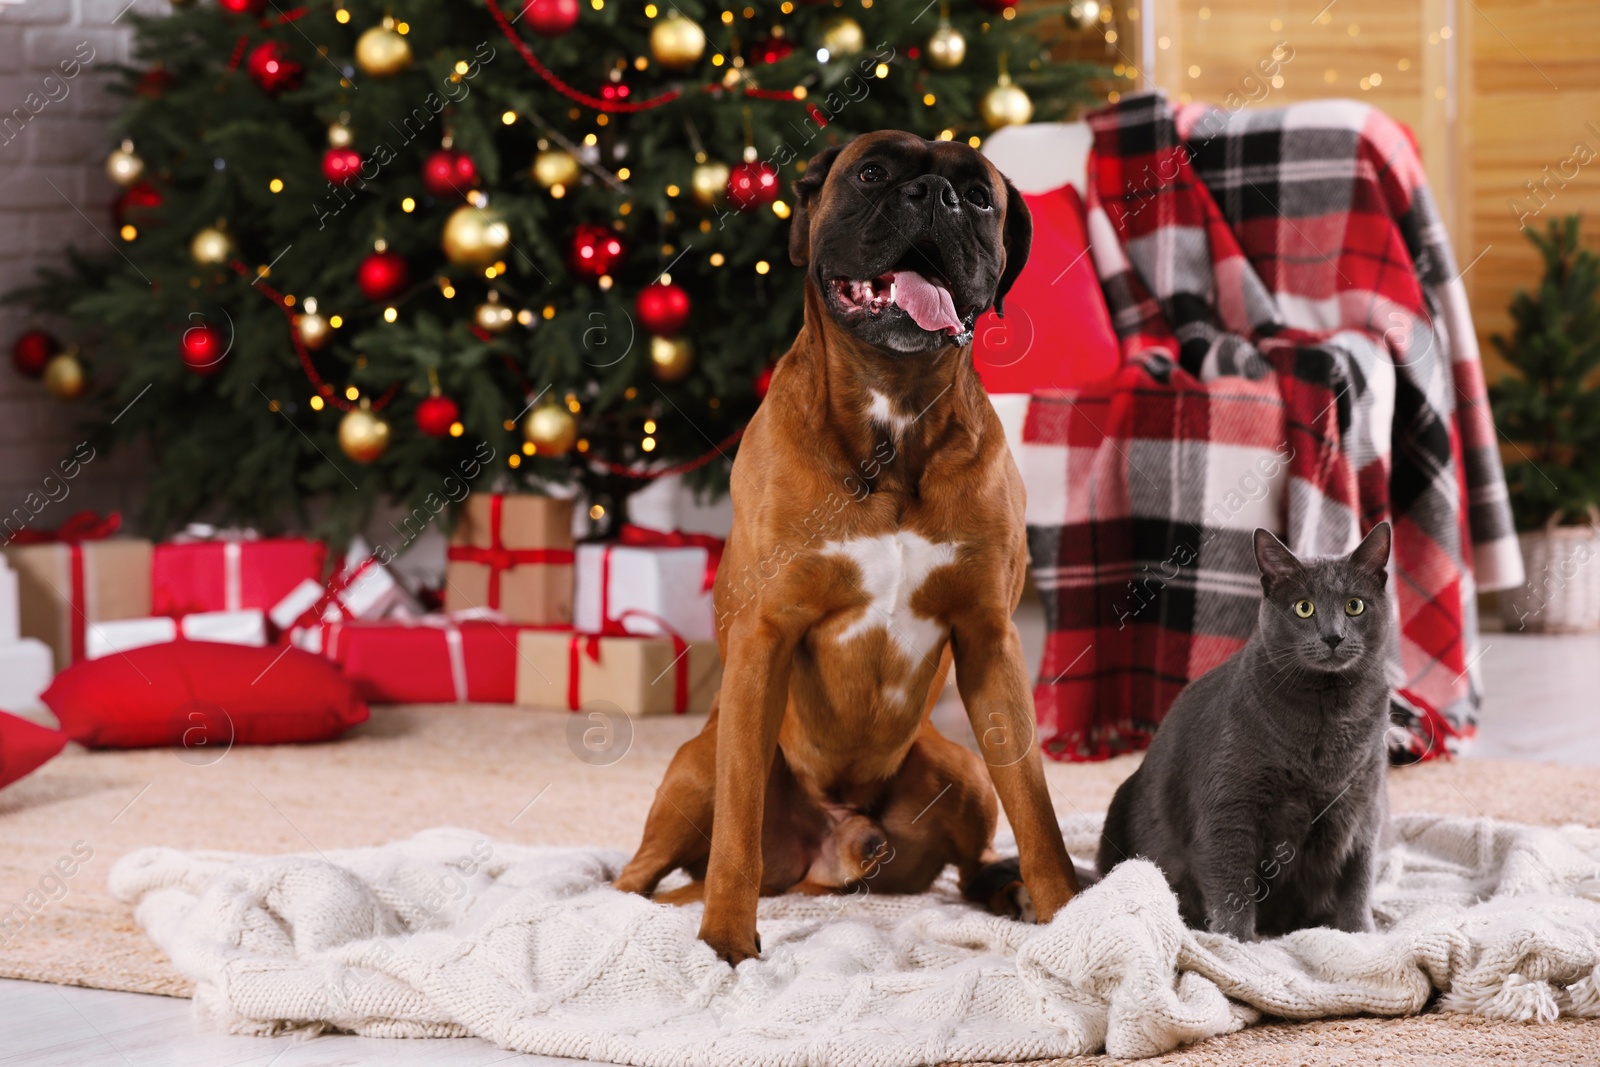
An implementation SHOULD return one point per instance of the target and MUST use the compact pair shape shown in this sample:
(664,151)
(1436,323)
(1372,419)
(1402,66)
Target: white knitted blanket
(449,934)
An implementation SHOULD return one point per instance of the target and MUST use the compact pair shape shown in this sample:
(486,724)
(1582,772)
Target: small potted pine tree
(1550,411)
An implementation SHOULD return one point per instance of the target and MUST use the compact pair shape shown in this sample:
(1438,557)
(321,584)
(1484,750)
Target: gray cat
(1263,796)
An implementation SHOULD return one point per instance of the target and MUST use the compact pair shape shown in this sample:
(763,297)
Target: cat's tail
(1116,840)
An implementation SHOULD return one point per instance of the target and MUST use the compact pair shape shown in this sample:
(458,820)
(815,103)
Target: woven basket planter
(1562,593)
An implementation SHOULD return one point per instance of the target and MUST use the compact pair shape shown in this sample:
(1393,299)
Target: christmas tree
(363,244)
(1550,410)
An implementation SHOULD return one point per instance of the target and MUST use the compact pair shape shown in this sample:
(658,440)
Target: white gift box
(228,627)
(26,667)
(372,593)
(667,583)
(9,632)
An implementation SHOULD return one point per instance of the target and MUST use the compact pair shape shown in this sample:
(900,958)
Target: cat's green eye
(1354,606)
(1304,608)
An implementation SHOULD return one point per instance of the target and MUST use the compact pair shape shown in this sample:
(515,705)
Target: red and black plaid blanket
(1297,355)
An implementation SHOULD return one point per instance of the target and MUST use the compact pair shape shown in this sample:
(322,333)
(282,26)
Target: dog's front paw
(734,947)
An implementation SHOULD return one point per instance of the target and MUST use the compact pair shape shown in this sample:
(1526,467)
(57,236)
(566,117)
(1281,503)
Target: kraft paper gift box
(639,585)
(512,554)
(639,675)
(226,627)
(206,571)
(64,586)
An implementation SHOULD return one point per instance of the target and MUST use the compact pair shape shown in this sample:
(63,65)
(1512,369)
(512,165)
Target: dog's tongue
(928,303)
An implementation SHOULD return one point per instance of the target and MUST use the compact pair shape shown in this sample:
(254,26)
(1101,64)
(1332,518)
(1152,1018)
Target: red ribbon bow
(498,558)
(645,537)
(84,526)
(589,645)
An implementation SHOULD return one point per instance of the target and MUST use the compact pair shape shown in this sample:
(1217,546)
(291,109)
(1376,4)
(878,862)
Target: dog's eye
(872,172)
(1304,608)
(1354,606)
(978,197)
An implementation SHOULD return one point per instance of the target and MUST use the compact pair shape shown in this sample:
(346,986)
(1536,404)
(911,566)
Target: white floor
(1540,705)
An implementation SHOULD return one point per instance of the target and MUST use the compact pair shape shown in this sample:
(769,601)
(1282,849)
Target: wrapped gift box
(26,669)
(640,675)
(230,573)
(642,588)
(512,554)
(362,588)
(64,586)
(431,660)
(226,627)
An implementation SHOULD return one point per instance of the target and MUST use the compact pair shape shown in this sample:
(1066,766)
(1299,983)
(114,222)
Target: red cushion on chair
(1057,330)
(25,747)
(199,693)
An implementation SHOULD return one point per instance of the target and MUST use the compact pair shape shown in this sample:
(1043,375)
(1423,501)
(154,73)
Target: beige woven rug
(513,775)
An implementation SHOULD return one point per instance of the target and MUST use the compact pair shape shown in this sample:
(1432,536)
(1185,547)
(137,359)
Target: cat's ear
(1274,559)
(1372,554)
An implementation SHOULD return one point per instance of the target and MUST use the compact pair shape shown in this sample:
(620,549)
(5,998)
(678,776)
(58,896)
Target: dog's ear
(806,190)
(1018,239)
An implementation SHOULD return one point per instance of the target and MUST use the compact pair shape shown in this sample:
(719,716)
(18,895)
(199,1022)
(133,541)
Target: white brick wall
(66,143)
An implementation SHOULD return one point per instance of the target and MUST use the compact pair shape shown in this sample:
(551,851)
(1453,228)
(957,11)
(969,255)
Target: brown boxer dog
(877,534)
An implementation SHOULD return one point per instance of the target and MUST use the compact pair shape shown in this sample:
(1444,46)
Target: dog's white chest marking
(883,413)
(892,568)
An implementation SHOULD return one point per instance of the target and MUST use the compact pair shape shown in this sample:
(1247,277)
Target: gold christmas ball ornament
(947,47)
(551,429)
(363,436)
(709,183)
(382,52)
(671,358)
(124,166)
(64,377)
(677,42)
(210,246)
(475,236)
(1005,105)
(313,330)
(843,36)
(339,135)
(493,316)
(555,166)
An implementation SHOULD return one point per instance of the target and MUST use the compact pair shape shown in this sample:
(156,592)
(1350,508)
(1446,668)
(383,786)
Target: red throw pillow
(25,747)
(203,696)
(1057,331)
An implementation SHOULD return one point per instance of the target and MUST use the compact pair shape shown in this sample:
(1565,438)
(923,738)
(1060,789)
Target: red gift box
(230,574)
(428,661)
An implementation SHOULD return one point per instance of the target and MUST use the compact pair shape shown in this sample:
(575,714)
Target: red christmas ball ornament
(153,82)
(341,165)
(383,275)
(752,185)
(136,201)
(550,18)
(764,381)
(663,308)
(449,173)
(242,7)
(771,49)
(32,351)
(617,90)
(202,348)
(270,67)
(436,414)
(595,250)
